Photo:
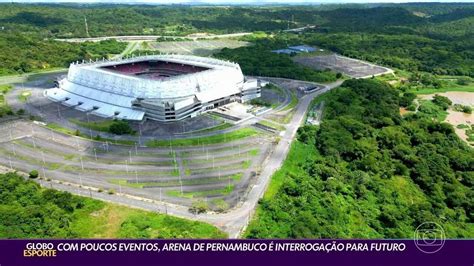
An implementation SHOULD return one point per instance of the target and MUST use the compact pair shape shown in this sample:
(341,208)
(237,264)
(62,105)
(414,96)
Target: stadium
(157,87)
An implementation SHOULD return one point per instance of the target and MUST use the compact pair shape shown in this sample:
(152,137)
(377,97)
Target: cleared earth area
(219,174)
(462,122)
(200,47)
(348,66)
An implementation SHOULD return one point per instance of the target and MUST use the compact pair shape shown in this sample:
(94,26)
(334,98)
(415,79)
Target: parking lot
(348,66)
(199,47)
(216,172)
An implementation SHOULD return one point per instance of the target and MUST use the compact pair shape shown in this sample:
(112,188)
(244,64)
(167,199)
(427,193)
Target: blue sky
(231,1)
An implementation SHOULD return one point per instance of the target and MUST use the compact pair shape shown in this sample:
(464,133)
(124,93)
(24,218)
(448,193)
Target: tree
(407,99)
(198,207)
(442,101)
(119,127)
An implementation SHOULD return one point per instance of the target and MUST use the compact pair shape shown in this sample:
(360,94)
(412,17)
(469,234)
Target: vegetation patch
(367,172)
(202,193)
(29,211)
(24,95)
(215,139)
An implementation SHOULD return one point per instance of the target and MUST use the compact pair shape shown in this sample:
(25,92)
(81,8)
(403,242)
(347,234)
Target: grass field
(272,125)
(24,95)
(293,103)
(468,88)
(96,125)
(432,110)
(69,131)
(298,153)
(200,47)
(104,220)
(190,182)
(221,126)
(4,108)
(199,194)
(4,89)
(215,139)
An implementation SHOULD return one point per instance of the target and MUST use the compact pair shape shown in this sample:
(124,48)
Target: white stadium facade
(158,87)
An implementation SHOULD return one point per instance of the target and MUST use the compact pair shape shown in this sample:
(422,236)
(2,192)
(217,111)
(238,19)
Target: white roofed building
(158,87)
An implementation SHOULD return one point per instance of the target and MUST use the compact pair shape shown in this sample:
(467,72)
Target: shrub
(198,207)
(463,81)
(34,174)
(260,102)
(221,205)
(407,99)
(441,101)
(466,109)
(120,128)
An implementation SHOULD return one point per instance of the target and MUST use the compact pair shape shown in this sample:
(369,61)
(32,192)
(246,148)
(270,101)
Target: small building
(286,51)
(303,48)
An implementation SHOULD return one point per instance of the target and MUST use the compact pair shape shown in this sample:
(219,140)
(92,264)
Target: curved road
(151,37)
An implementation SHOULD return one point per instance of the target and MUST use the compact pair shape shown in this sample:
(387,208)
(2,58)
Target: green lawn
(190,182)
(4,108)
(3,102)
(433,111)
(221,126)
(4,89)
(31,211)
(293,103)
(96,125)
(59,128)
(298,153)
(215,139)
(105,220)
(272,125)
(199,194)
(451,87)
(68,131)
(24,95)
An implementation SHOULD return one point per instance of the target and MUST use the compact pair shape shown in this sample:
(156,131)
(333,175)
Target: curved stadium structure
(158,87)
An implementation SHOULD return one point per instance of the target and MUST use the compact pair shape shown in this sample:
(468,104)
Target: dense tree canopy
(437,38)
(369,173)
(30,211)
(259,60)
(22,53)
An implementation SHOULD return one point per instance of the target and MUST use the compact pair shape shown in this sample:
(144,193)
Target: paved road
(151,37)
(235,220)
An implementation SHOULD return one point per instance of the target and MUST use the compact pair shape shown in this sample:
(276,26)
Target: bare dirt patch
(457,118)
(457,97)
(403,111)
(351,67)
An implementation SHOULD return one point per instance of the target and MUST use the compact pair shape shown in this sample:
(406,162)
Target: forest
(23,53)
(435,38)
(30,211)
(258,60)
(367,172)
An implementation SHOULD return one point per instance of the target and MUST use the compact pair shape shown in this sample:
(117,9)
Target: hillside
(29,211)
(366,172)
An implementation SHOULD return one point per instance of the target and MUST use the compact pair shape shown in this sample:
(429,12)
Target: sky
(232,1)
